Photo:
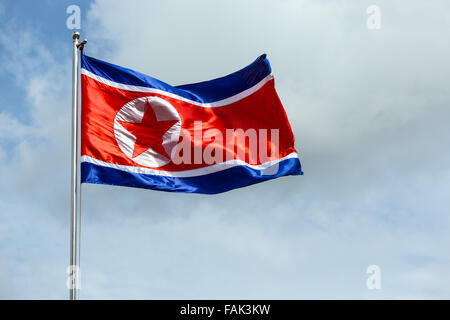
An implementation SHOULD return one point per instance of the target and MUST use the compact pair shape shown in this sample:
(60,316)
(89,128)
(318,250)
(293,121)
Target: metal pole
(74,270)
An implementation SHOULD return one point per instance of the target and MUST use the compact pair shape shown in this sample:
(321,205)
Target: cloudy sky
(369,109)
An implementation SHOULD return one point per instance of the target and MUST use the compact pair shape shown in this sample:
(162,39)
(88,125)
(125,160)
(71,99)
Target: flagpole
(74,266)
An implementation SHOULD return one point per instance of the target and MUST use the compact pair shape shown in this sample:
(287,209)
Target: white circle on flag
(133,112)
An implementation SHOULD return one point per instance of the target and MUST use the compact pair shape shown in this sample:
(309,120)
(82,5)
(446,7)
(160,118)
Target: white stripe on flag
(189,173)
(219,103)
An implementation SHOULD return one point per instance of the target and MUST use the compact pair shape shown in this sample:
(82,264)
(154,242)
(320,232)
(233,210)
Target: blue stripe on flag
(202,92)
(217,182)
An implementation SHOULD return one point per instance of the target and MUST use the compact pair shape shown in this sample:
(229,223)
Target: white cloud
(34,201)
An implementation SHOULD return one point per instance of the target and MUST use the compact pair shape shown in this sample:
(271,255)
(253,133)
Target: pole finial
(81,44)
(76,35)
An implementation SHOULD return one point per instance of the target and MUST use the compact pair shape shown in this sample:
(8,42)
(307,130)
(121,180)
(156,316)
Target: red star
(149,132)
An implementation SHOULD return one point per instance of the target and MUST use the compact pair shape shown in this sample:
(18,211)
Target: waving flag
(207,137)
